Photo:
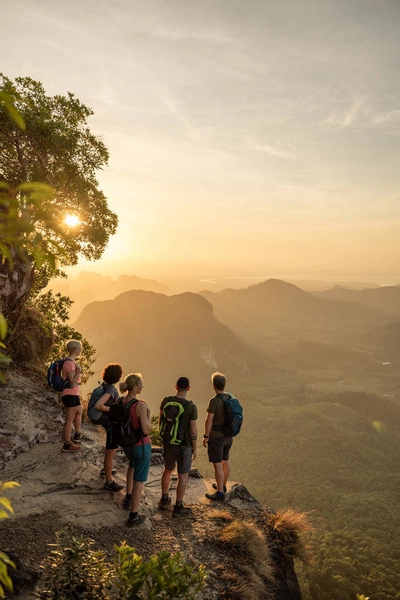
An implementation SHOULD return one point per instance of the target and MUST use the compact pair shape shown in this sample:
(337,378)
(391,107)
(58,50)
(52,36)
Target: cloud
(347,118)
(272,150)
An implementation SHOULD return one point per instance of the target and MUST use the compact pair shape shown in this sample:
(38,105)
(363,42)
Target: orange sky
(252,137)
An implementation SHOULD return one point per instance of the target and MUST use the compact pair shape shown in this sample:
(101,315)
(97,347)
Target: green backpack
(172,429)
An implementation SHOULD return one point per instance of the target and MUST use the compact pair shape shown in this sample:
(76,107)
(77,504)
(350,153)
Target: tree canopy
(55,148)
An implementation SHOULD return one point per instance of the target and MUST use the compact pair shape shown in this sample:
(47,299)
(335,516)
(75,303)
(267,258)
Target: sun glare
(72,220)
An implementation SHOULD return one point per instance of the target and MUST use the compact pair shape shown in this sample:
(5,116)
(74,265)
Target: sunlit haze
(246,138)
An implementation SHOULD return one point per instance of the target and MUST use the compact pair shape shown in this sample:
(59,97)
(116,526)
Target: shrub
(74,570)
(5,509)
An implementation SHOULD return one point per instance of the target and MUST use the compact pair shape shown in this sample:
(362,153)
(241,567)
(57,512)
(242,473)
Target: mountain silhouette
(164,337)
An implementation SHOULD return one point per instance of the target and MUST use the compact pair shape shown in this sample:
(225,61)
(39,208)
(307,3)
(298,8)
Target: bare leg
(78,418)
(181,487)
(136,495)
(69,418)
(219,476)
(108,460)
(129,480)
(165,481)
(227,469)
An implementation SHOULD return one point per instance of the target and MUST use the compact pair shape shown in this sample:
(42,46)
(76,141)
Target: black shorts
(69,400)
(110,445)
(218,449)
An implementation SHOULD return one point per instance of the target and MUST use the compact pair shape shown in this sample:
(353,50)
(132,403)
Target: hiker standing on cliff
(139,455)
(70,397)
(178,428)
(218,445)
(111,374)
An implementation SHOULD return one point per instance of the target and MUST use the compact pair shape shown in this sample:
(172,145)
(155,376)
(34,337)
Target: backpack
(172,429)
(233,417)
(54,377)
(96,415)
(120,428)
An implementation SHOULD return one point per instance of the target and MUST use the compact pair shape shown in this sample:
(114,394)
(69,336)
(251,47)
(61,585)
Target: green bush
(74,570)
(5,562)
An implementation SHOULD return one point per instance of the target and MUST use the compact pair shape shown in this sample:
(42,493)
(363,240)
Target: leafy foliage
(155,436)
(5,509)
(75,570)
(56,152)
(55,311)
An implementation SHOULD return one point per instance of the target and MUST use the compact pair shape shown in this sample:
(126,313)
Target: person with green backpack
(178,429)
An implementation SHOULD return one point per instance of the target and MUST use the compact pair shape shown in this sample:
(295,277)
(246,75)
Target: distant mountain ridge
(385,298)
(164,336)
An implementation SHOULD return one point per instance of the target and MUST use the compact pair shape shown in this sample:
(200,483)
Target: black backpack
(120,428)
(172,429)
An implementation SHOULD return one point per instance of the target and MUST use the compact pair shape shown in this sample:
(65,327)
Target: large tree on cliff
(55,148)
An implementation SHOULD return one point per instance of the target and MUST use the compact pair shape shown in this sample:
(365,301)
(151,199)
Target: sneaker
(113,487)
(127,503)
(137,521)
(103,473)
(70,448)
(164,503)
(181,511)
(77,437)
(216,496)
(216,487)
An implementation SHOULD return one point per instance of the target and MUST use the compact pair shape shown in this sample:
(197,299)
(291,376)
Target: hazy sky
(246,137)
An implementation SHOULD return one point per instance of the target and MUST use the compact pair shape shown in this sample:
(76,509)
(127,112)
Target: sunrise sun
(72,220)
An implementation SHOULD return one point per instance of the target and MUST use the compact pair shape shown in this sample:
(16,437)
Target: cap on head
(183,383)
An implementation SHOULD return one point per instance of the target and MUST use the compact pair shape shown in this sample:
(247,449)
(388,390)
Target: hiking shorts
(139,458)
(70,401)
(176,455)
(103,421)
(218,449)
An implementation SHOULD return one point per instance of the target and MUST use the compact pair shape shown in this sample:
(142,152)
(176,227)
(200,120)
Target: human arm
(72,372)
(193,437)
(143,412)
(101,403)
(207,428)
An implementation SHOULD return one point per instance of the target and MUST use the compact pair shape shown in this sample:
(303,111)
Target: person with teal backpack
(223,422)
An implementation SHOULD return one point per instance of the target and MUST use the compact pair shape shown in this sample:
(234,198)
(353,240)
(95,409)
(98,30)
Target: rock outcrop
(243,555)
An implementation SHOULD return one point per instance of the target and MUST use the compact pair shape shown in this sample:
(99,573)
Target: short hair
(218,381)
(112,373)
(73,345)
(183,383)
(130,381)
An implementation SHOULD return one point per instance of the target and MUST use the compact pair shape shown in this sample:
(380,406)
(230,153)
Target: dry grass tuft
(287,525)
(247,546)
(223,515)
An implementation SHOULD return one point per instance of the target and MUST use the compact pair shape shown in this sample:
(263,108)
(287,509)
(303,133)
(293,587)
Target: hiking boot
(181,511)
(77,437)
(112,487)
(136,521)
(216,496)
(103,473)
(216,487)
(127,503)
(70,448)
(164,503)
